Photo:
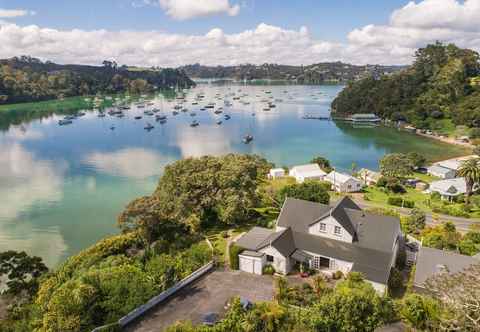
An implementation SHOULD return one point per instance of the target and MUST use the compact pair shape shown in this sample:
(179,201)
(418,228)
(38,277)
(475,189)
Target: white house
(343,182)
(441,172)
(448,188)
(368,177)
(450,163)
(307,172)
(329,238)
(276,173)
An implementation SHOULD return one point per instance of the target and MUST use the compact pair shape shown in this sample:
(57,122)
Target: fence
(141,310)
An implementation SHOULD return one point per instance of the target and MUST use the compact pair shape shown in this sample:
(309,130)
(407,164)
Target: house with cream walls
(328,238)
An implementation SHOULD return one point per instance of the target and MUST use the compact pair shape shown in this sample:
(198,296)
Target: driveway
(209,294)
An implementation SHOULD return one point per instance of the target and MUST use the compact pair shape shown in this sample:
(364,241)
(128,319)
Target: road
(462,224)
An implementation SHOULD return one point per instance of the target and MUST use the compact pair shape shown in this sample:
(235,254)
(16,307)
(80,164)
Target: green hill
(27,79)
(442,83)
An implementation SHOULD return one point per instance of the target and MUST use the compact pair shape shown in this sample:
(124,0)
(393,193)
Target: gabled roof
(259,237)
(299,214)
(444,187)
(339,213)
(337,177)
(308,170)
(431,261)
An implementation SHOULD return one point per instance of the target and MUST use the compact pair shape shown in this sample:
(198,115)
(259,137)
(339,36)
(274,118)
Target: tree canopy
(441,83)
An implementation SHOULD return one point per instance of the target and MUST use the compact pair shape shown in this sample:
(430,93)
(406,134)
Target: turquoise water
(61,187)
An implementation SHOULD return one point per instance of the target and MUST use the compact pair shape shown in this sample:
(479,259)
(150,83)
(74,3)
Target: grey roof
(338,211)
(373,264)
(429,261)
(254,238)
(251,253)
(259,237)
(299,214)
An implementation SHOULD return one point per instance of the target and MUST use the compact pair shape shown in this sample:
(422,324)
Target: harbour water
(61,187)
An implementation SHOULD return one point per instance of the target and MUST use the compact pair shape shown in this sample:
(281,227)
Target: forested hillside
(24,79)
(443,82)
(311,74)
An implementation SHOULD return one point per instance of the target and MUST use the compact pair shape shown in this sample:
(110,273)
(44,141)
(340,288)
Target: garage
(251,262)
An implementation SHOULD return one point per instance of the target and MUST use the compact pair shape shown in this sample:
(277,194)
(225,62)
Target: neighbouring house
(448,189)
(343,183)
(276,173)
(368,177)
(441,172)
(337,237)
(307,172)
(365,117)
(450,163)
(432,261)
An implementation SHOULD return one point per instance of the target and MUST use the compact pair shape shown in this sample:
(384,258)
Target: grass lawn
(424,177)
(377,196)
(72,103)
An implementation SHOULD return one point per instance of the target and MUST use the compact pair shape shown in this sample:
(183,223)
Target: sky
(228,32)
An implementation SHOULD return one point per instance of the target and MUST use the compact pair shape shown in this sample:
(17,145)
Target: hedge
(234,252)
(399,201)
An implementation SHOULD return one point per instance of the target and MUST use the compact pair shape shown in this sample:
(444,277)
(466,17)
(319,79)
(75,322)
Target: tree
(414,223)
(310,191)
(396,165)
(420,312)
(470,170)
(21,272)
(416,159)
(323,163)
(459,297)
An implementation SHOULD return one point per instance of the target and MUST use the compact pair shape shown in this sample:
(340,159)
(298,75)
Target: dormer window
(322,227)
(337,230)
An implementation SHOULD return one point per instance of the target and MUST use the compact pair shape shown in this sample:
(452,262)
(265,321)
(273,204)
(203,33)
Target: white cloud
(26,180)
(137,163)
(188,9)
(12,13)
(410,27)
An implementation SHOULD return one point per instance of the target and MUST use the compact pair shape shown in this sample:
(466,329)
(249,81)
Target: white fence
(141,310)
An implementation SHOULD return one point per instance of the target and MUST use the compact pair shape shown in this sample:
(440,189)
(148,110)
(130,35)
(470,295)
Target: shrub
(268,270)
(399,201)
(234,252)
(401,259)
(419,311)
(395,280)
(224,234)
(337,275)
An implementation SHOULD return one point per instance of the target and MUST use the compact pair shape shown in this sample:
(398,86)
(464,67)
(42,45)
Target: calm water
(61,187)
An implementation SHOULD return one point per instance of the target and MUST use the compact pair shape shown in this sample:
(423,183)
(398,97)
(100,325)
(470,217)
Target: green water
(62,187)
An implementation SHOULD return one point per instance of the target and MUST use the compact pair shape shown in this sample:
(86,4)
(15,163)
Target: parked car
(210,319)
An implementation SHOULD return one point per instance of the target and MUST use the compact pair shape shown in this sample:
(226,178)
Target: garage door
(250,265)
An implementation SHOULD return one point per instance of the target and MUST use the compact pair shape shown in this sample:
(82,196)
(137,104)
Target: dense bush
(395,280)
(312,191)
(234,252)
(437,84)
(420,312)
(399,201)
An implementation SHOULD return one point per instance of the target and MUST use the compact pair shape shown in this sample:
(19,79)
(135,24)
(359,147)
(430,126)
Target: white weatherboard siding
(251,264)
(276,173)
(343,182)
(280,263)
(307,172)
(335,264)
(330,223)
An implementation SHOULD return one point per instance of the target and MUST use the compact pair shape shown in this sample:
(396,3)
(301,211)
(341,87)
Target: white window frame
(339,229)
(322,227)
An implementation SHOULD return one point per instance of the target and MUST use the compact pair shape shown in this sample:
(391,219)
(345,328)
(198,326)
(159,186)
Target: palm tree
(470,170)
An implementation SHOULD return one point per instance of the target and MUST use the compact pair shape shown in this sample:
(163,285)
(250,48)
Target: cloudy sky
(212,32)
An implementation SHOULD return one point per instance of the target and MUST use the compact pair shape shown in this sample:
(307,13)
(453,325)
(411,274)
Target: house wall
(335,264)
(330,227)
(280,263)
(257,263)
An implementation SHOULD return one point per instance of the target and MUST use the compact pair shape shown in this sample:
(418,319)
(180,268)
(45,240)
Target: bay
(62,187)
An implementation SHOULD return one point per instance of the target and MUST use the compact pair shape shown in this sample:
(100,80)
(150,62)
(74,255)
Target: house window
(269,258)
(323,227)
(338,230)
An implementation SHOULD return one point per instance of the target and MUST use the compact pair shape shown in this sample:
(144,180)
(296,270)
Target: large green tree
(396,165)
